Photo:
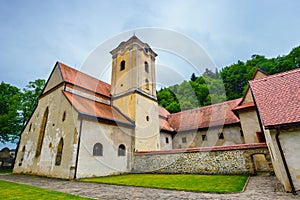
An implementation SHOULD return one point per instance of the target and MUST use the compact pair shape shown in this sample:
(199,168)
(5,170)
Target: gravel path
(258,188)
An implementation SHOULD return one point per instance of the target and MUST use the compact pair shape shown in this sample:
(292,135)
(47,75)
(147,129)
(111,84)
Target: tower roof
(134,41)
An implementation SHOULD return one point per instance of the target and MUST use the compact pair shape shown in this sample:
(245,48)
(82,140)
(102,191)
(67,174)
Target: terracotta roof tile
(163,112)
(96,109)
(163,122)
(83,80)
(278,98)
(205,117)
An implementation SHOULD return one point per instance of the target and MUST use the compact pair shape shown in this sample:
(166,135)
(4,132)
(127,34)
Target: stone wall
(235,159)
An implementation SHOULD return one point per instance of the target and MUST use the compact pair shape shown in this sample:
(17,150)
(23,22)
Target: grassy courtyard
(18,191)
(188,182)
(5,171)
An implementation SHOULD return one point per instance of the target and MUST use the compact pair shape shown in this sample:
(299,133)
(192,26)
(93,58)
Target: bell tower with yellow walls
(133,90)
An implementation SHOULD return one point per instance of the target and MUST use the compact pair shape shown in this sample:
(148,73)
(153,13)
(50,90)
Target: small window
(98,149)
(221,136)
(22,156)
(167,140)
(42,133)
(204,138)
(122,65)
(242,133)
(59,152)
(147,84)
(183,140)
(64,116)
(147,118)
(121,150)
(30,127)
(261,137)
(146,67)
(146,49)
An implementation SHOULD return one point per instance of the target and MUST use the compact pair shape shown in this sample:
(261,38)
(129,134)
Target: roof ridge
(64,65)
(208,106)
(277,75)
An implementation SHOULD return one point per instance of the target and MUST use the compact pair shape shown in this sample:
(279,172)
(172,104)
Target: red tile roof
(163,122)
(96,109)
(205,117)
(163,112)
(75,77)
(277,98)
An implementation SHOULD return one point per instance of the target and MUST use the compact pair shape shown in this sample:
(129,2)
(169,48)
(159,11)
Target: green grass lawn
(14,191)
(189,182)
(5,171)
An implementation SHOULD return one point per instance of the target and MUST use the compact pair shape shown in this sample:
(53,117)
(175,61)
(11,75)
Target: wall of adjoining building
(166,141)
(110,136)
(250,125)
(237,159)
(291,150)
(190,139)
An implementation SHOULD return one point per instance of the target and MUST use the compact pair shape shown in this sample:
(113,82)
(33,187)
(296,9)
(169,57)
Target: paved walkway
(258,188)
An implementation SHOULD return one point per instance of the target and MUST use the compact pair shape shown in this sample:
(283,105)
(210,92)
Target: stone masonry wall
(236,159)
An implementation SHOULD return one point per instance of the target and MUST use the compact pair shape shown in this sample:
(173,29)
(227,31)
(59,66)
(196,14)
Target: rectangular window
(204,137)
(167,140)
(183,140)
(221,136)
(261,137)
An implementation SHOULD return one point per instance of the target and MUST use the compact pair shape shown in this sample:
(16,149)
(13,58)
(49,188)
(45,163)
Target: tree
(29,99)
(16,107)
(193,77)
(209,88)
(9,112)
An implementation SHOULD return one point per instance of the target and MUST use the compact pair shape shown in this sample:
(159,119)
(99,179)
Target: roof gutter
(284,162)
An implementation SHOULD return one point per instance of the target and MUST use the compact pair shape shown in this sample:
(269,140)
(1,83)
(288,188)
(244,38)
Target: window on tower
(122,65)
(146,67)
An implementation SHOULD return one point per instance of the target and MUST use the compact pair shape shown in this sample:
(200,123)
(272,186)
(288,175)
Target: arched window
(147,84)
(59,152)
(122,65)
(121,150)
(146,67)
(98,149)
(22,156)
(64,116)
(42,133)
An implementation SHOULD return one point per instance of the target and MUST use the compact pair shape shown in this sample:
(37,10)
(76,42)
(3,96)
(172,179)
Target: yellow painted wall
(250,125)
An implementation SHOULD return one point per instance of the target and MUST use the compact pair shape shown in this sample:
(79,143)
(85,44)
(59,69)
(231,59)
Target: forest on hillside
(218,86)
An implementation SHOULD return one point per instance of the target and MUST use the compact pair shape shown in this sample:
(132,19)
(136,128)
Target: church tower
(133,90)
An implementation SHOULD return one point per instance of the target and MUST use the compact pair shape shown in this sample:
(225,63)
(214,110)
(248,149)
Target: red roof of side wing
(205,117)
(277,98)
(96,109)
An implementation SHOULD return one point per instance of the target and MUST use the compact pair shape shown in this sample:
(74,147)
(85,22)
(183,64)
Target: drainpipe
(284,162)
(78,147)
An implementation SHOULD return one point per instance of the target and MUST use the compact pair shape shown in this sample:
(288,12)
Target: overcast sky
(35,34)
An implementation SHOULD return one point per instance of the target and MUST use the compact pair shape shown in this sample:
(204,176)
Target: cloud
(36,33)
